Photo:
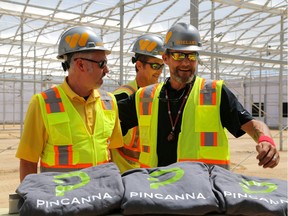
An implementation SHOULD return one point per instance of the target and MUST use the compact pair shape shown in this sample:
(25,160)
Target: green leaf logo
(253,187)
(61,188)
(178,174)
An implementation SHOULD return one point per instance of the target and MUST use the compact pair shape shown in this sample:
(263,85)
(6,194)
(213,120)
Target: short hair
(141,58)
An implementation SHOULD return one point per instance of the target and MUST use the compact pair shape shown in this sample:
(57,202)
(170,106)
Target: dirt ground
(243,160)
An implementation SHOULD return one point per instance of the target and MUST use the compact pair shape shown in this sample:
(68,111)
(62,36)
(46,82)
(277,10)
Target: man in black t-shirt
(185,117)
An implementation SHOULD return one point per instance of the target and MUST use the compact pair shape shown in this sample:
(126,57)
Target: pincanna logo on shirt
(156,183)
(253,187)
(80,178)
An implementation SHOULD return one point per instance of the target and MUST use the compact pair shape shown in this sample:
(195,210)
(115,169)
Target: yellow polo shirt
(34,135)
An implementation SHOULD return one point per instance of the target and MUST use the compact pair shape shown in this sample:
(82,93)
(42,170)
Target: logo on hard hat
(168,36)
(147,45)
(80,40)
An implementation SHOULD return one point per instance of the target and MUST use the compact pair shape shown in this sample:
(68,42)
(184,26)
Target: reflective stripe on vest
(145,100)
(129,154)
(63,161)
(208,97)
(107,102)
(53,100)
(128,89)
(63,154)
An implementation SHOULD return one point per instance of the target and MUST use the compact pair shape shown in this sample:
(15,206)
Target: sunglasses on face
(154,66)
(179,56)
(101,64)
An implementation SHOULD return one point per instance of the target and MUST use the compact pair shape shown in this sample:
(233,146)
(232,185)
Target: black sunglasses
(154,66)
(101,64)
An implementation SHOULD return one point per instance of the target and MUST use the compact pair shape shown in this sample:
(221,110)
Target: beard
(184,77)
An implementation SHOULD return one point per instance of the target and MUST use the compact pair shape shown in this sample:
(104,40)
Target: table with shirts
(184,188)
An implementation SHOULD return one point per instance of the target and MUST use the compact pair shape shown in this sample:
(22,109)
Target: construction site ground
(243,158)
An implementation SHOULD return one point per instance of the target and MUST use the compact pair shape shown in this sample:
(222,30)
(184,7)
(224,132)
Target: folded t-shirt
(247,195)
(182,188)
(96,190)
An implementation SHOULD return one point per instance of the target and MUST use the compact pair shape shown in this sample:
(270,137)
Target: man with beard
(185,118)
(73,125)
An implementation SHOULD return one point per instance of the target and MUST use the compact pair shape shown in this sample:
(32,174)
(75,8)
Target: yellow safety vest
(70,146)
(127,157)
(202,137)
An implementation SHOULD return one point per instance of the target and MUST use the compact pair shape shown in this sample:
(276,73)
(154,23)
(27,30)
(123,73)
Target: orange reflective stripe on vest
(129,154)
(53,100)
(146,149)
(222,163)
(63,160)
(63,155)
(63,168)
(146,99)
(129,89)
(208,97)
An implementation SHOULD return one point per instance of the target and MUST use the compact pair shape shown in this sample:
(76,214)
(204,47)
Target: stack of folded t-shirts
(247,195)
(96,190)
(181,188)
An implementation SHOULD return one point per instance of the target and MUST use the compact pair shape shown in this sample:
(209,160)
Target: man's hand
(268,155)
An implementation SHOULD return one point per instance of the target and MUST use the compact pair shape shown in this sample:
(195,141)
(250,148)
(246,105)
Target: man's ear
(79,64)
(165,58)
(139,64)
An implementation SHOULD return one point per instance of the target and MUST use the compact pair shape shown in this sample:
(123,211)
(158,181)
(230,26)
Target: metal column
(121,40)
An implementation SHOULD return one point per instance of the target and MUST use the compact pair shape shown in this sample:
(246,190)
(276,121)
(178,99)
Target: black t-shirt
(121,96)
(232,115)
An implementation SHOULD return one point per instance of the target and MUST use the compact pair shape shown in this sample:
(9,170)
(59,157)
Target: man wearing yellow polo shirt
(75,124)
